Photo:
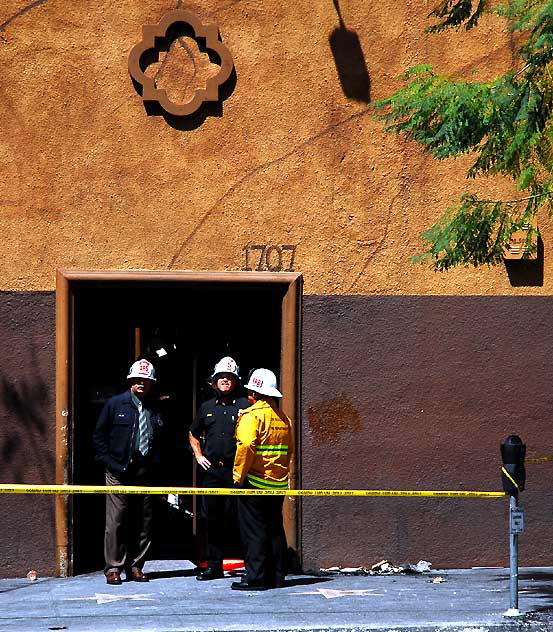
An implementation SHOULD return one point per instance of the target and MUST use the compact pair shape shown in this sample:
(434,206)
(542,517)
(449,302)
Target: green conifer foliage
(506,124)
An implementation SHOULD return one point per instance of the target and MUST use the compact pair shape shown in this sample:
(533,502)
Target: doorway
(183,323)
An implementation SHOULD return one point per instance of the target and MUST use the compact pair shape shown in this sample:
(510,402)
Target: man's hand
(203,462)
(197,450)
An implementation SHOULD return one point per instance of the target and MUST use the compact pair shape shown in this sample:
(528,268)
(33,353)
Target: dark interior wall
(196,326)
(27,431)
(417,393)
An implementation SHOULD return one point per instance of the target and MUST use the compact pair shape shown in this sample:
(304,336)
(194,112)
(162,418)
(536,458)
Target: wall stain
(21,12)
(254,172)
(332,418)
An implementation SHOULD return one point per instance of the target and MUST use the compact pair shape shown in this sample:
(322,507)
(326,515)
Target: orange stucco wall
(90,180)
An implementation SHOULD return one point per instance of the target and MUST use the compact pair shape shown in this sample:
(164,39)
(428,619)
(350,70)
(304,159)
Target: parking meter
(513,477)
(513,474)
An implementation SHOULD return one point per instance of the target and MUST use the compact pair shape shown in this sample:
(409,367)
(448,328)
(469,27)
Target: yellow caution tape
(540,459)
(223,491)
(510,478)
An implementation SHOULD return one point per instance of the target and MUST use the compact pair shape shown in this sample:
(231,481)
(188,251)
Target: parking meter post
(513,566)
(513,478)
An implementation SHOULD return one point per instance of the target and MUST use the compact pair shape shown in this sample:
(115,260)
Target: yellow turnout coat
(264,446)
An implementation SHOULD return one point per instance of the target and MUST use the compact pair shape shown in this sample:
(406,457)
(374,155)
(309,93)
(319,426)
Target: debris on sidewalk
(437,580)
(422,566)
(384,567)
(32,576)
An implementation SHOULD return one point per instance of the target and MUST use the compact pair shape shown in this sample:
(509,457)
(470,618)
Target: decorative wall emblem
(157,38)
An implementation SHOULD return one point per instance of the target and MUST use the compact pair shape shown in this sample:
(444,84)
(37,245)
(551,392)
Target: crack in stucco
(181,42)
(21,12)
(185,47)
(178,41)
(162,65)
(227,6)
(254,172)
(117,107)
(180,5)
(379,246)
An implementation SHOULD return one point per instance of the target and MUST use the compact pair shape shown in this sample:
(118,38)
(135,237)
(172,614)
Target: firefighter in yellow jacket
(264,445)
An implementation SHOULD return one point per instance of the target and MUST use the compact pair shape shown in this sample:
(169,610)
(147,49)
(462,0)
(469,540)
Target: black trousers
(219,513)
(262,532)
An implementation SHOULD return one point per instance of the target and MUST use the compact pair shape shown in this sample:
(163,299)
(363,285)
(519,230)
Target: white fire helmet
(142,369)
(264,382)
(226,365)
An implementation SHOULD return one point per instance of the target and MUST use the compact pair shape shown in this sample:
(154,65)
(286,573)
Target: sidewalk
(468,600)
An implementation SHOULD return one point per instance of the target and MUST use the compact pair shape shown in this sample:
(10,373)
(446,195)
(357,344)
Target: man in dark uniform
(125,441)
(214,425)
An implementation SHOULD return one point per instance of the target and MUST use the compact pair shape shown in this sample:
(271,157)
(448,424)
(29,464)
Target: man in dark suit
(125,442)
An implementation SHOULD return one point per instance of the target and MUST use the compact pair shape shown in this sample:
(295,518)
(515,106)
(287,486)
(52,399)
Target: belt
(215,462)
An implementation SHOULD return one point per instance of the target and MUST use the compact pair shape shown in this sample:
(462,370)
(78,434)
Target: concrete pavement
(467,600)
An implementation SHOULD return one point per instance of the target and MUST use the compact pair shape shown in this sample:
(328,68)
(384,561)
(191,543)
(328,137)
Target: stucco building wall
(92,180)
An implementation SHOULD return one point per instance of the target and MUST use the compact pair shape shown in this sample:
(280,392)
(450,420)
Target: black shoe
(113,578)
(276,584)
(245,585)
(210,573)
(136,575)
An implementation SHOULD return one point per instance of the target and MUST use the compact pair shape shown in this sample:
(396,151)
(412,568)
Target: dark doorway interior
(183,329)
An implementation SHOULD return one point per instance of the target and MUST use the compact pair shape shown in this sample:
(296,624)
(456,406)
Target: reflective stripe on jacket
(264,445)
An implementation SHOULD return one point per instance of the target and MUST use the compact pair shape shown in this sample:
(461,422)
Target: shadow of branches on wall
(25,442)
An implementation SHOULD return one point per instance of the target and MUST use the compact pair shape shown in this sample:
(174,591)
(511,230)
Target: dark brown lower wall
(398,393)
(27,431)
(417,393)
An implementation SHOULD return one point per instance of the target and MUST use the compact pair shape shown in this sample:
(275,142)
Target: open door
(183,323)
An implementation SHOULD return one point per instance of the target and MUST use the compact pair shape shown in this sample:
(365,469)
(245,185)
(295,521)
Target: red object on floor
(233,565)
(228,565)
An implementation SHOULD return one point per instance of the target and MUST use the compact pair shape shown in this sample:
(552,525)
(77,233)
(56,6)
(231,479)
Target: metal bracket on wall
(523,244)
(150,33)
